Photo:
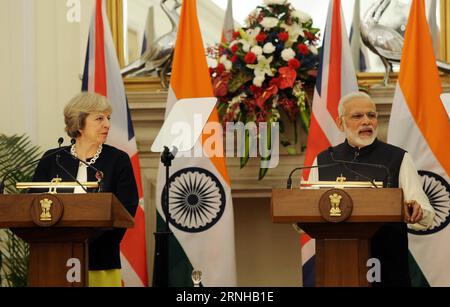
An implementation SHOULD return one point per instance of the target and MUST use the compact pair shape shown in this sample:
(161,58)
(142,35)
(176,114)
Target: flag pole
(161,278)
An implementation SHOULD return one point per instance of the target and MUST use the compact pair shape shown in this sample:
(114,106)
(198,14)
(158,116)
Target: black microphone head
(60,141)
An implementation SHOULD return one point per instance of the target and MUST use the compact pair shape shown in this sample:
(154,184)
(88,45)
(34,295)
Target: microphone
(2,183)
(289,180)
(344,163)
(98,174)
(60,141)
(70,175)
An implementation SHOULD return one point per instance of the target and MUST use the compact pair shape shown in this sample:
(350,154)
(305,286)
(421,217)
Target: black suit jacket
(104,251)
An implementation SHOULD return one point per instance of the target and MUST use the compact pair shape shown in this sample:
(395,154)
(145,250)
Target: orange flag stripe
(421,86)
(190,74)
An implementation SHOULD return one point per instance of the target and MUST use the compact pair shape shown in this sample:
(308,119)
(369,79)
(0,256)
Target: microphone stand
(161,276)
(98,174)
(289,180)
(71,176)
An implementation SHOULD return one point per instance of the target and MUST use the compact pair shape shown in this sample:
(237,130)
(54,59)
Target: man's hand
(413,212)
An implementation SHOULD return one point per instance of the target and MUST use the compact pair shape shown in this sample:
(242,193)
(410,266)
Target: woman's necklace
(94,158)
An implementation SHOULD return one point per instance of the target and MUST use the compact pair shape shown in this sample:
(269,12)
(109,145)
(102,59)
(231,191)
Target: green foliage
(15,150)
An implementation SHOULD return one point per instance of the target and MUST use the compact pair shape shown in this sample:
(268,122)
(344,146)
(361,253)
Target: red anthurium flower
(234,58)
(275,81)
(250,58)
(234,48)
(269,92)
(255,90)
(287,77)
(220,68)
(283,36)
(261,99)
(294,63)
(220,85)
(303,49)
(235,34)
(261,37)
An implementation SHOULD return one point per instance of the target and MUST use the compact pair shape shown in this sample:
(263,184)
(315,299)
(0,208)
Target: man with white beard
(358,119)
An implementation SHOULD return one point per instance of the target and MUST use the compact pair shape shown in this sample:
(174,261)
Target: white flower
(295,30)
(258,80)
(302,16)
(249,38)
(313,49)
(252,16)
(262,68)
(257,50)
(237,99)
(268,48)
(269,22)
(211,62)
(233,43)
(279,2)
(227,63)
(288,54)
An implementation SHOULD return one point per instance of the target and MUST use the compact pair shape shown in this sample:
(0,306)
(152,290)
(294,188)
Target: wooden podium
(342,243)
(57,227)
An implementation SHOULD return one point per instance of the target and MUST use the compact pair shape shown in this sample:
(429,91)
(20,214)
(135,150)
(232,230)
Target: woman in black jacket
(87,118)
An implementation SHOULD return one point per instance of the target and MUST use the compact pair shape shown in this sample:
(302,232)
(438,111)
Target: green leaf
(239,80)
(262,173)
(15,150)
(305,119)
(246,157)
(292,151)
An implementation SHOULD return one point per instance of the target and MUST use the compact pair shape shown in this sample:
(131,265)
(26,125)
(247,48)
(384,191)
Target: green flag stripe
(180,268)
(417,277)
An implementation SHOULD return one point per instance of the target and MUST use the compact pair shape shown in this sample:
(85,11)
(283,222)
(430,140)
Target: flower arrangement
(263,71)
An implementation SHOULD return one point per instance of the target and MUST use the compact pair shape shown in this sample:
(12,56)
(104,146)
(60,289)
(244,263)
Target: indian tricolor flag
(419,124)
(102,76)
(200,204)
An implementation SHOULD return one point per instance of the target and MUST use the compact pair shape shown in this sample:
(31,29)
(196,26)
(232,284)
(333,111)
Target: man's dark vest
(390,243)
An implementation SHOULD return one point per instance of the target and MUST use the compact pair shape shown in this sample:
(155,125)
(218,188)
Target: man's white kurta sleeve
(411,184)
(314,173)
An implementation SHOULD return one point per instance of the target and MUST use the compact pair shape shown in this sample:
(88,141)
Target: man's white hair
(349,97)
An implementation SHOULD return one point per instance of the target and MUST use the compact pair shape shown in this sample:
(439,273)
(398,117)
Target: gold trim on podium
(48,185)
(340,184)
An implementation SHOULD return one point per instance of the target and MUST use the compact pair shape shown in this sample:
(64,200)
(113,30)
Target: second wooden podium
(342,222)
(57,227)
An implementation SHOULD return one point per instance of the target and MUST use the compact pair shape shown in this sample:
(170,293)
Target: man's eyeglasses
(357,116)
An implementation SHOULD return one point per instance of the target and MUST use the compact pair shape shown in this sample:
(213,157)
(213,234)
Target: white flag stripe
(308,251)
(414,143)
(217,235)
(129,277)
(326,122)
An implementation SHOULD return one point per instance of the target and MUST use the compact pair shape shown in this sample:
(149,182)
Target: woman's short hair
(350,97)
(79,107)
